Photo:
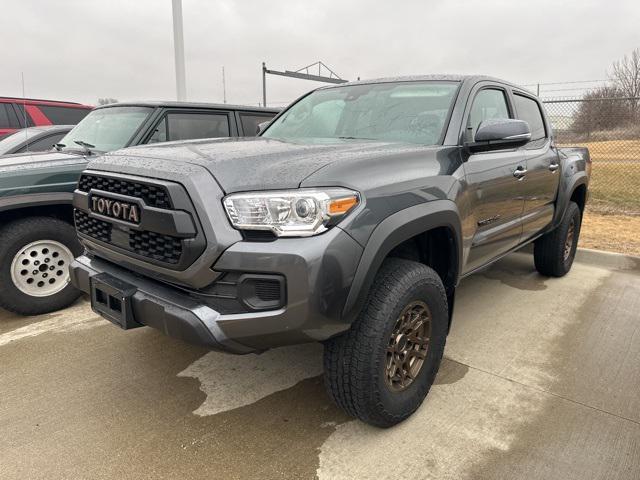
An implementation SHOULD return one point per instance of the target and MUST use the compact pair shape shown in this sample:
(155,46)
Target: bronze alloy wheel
(408,346)
(568,244)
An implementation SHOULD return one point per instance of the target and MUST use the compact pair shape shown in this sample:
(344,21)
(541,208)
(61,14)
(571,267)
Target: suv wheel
(35,254)
(553,253)
(381,370)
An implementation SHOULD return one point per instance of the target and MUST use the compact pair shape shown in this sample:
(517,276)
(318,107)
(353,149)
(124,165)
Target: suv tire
(554,252)
(35,254)
(364,367)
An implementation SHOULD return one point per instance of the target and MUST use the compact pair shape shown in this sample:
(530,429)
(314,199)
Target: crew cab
(37,239)
(350,221)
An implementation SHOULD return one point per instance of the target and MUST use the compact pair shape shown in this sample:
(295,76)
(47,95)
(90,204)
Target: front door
(495,193)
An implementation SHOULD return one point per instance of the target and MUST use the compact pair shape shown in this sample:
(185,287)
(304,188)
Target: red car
(17,113)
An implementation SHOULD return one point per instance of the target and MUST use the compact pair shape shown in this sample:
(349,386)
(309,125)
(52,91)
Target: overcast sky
(85,49)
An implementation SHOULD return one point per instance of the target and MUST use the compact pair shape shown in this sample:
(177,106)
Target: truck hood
(246,164)
(25,161)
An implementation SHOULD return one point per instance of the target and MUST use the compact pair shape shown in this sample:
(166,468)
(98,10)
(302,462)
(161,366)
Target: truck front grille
(166,232)
(93,227)
(163,248)
(152,195)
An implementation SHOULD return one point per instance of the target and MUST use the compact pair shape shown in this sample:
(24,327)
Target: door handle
(520,172)
(553,167)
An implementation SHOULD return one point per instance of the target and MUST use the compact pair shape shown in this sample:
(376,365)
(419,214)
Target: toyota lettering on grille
(129,212)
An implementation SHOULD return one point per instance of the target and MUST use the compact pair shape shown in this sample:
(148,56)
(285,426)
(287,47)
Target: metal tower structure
(304,73)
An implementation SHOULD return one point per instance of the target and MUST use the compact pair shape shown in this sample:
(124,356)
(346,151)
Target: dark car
(17,113)
(37,239)
(33,139)
(350,221)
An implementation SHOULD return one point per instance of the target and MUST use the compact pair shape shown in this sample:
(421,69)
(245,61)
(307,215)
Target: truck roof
(434,77)
(174,104)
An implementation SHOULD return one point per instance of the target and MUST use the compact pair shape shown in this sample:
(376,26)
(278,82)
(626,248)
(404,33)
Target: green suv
(37,238)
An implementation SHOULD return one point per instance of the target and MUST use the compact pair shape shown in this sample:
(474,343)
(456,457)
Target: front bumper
(318,272)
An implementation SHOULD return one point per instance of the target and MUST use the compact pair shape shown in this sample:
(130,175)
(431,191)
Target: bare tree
(626,77)
(106,101)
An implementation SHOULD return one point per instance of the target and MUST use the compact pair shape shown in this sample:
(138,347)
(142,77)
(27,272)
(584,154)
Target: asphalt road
(541,380)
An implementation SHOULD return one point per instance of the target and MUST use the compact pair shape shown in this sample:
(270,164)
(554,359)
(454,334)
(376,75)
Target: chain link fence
(610,128)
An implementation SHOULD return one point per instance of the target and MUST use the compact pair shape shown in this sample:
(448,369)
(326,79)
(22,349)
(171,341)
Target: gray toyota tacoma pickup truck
(349,221)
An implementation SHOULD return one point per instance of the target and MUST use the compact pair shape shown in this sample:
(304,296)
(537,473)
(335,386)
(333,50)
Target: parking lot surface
(540,380)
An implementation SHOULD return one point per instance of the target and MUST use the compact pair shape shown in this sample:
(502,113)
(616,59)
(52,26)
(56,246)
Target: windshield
(106,128)
(16,139)
(410,112)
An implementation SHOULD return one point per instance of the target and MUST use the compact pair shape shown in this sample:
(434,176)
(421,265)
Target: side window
(63,115)
(160,132)
(488,103)
(187,126)
(4,116)
(42,144)
(251,121)
(529,111)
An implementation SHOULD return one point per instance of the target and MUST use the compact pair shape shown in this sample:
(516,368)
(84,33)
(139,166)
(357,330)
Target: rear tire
(35,254)
(554,252)
(381,370)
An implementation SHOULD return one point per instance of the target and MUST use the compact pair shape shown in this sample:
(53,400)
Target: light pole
(178,48)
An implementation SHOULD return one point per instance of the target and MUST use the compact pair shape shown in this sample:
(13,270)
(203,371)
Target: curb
(616,261)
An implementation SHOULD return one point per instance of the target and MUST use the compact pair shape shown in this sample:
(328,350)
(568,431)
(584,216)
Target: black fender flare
(16,202)
(391,232)
(565,192)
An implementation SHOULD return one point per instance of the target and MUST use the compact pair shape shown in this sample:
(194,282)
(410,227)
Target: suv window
(188,126)
(489,103)
(529,111)
(250,122)
(160,132)
(42,144)
(63,115)
(4,116)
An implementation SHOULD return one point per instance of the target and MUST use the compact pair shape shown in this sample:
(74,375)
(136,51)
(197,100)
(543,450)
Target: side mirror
(499,133)
(262,127)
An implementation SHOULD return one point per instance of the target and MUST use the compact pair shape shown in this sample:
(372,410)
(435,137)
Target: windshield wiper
(86,145)
(355,138)
(59,146)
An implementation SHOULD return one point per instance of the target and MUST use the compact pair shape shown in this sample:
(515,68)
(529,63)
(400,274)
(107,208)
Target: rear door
(540,183)
(495,196)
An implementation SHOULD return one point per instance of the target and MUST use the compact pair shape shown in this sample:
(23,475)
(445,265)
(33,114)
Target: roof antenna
(24,113)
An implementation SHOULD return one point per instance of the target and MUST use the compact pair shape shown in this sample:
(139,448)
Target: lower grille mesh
(163,248)
(157,246)
(93,227)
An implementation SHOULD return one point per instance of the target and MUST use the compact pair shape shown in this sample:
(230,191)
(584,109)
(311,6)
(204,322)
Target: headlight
(290,213)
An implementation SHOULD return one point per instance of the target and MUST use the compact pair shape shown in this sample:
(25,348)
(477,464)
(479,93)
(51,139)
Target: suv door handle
(520,172)
(553,167)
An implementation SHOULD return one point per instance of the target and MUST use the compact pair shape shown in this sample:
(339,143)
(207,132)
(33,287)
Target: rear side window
(529,111)
(4,116)
(488,104)
(63,115)
(251,121)
(188,126)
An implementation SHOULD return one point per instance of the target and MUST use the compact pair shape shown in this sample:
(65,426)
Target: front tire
(554,252)
(381,370)
(35,254)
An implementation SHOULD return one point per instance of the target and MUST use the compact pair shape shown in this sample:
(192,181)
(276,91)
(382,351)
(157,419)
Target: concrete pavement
(541,380)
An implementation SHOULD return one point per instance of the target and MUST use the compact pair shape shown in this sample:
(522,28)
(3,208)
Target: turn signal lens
(342,205)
